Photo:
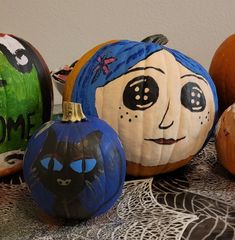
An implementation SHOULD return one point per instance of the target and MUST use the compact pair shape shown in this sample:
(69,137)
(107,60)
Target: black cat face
(65,168)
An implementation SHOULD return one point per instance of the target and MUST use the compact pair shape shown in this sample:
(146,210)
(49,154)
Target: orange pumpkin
(225,139)
(162,103)
(222,71)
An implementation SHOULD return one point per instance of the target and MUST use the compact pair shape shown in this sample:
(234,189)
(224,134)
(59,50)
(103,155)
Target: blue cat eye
(45,162)
(56,167)
(89,165)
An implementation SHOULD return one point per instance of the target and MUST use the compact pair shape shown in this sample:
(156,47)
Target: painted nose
(63,182)
(163,124)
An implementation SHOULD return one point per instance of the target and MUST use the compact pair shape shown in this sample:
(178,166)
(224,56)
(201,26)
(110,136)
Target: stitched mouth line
(165,141)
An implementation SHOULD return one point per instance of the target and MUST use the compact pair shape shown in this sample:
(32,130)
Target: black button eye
(192,97)
(140,93)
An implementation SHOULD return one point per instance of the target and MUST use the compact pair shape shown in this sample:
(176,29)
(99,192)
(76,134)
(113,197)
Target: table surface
(194,202)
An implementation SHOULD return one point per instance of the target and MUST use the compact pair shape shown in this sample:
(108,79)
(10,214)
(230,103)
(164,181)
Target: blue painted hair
(122,55)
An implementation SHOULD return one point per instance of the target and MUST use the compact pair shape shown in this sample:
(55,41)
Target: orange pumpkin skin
(222,71)
(225,139)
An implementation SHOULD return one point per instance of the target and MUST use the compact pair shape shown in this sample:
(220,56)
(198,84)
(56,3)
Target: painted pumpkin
(161,102)
(25,99)
(76,167)
(222,71)
(225,135)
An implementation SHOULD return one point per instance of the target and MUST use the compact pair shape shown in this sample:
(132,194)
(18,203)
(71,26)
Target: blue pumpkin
(75,169)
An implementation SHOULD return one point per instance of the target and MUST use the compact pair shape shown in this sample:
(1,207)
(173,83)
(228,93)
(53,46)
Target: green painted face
(21,108)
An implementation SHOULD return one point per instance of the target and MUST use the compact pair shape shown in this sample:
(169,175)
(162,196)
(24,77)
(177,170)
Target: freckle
(126,113)
(129,120)
(206,117)
(199,117)
(120,108)
(201,123)
(121,116)
(136,116)
(208,112)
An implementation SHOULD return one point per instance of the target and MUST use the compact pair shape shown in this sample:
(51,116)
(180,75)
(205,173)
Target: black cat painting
(65,168)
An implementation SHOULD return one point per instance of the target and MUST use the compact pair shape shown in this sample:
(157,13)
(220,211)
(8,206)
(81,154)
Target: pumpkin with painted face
(75,168)
(25,99)
(162,103)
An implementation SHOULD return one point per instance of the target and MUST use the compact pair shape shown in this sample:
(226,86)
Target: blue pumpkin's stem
(156,38)
(72,112)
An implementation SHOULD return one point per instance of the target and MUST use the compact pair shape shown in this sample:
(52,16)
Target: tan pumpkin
(225,139)
(222,71)
(161,103)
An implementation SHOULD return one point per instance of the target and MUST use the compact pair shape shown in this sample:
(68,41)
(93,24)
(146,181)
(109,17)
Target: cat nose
(63,182)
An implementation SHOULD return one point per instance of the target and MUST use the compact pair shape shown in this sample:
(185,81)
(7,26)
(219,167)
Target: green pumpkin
(25,99)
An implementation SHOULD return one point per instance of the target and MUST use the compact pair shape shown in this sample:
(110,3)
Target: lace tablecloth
(195,202)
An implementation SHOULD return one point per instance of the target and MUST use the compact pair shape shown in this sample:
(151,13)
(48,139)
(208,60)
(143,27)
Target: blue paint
(77,166)
(89,164)
(103,190)
(45,162)
(127,54)
(57,165)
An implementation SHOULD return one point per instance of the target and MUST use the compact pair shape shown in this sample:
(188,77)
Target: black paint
(22,126)
(66,183)
(14,125)
(29,124)
(12,58)
(189,97)
(130,94)
(43,76)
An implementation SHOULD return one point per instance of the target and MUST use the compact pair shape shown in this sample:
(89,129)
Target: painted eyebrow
(193,75)
(144,68)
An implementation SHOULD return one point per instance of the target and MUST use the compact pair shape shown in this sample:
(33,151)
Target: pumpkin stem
(156,38)
(72,112)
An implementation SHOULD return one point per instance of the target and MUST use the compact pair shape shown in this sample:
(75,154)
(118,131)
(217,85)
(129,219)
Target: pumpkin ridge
(43,75)
(135,95)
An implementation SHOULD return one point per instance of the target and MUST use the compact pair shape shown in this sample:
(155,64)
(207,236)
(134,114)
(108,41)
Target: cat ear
(51,136)
(93,138)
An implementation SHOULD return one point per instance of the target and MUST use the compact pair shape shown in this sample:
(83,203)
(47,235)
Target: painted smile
(165,141)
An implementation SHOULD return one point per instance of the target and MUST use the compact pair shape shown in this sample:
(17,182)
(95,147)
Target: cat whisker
(33,170)
(98,181)
(35,180)
(33,176)
(101,171)
(89,185)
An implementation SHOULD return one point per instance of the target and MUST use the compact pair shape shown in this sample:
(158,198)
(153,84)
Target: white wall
(62,30)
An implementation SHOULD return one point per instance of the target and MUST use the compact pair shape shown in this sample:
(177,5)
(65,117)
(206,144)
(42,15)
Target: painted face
(161,110)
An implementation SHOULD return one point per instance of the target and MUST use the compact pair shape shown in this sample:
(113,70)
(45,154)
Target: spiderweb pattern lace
(136,215)
(207,177)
